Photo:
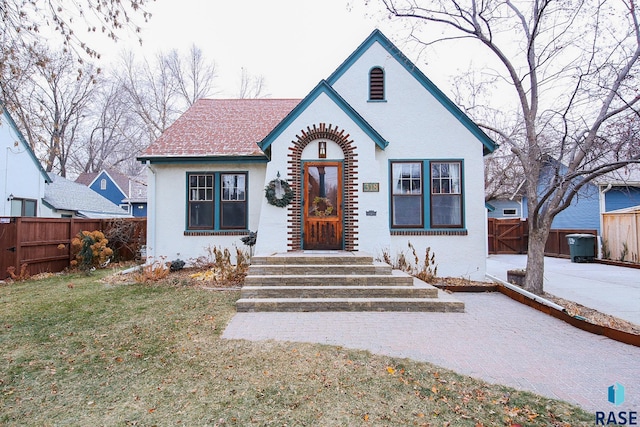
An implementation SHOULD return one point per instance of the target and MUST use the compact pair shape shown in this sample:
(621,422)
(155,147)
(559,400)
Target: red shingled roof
(221,127)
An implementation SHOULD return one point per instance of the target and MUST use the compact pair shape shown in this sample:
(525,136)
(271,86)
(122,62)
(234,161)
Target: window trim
(216,202)
(460,194)
(427,222)
(420,196)
(222,202)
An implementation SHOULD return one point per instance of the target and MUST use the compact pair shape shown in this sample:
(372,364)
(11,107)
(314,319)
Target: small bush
(90,249)
(152,272)
(23,275)
(426,270)
(220,270)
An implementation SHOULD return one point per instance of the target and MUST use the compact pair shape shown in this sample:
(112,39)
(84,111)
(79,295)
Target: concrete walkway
(496,339)
(608,289)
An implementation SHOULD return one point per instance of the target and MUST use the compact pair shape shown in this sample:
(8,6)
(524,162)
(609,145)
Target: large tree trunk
(534,280)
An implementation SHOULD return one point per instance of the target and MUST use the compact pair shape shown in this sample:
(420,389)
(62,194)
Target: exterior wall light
(322,149)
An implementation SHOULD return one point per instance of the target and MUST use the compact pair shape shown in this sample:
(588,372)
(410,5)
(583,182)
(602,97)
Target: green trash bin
(581,247)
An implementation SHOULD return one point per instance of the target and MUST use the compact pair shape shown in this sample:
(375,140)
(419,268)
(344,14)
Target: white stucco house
(22,178)
(374,157)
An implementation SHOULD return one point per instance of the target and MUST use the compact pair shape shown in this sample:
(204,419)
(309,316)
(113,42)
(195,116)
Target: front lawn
(80,351)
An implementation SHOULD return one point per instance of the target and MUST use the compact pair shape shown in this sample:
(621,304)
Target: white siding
(20,175)
(167,199)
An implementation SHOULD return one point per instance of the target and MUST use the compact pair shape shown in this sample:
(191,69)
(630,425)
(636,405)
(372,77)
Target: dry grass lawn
(80,351)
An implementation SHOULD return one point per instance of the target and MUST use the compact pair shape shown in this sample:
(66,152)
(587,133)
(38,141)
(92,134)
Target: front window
(233,204)
(217,201)
(446,194)
(201,201)
(407,200)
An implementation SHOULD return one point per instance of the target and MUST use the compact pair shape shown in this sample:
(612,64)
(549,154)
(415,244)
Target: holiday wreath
(278,193)
(322,206)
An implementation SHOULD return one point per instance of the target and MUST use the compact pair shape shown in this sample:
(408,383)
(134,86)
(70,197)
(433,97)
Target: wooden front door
(322,222)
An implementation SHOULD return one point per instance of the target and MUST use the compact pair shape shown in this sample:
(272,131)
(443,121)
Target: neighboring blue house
(506,208)
(617,190)
(620,196)
(130,193)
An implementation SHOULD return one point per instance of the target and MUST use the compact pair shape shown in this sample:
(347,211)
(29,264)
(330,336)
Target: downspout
(151,215)
(6,185)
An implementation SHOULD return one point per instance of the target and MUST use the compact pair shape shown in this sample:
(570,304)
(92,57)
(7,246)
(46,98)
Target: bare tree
(151,93)
(162,89)
(193,74)
(569,67)
(111,134)
(50,102)
(22,23)
(251,86)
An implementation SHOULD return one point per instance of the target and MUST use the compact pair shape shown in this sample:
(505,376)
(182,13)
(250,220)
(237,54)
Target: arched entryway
(348,221)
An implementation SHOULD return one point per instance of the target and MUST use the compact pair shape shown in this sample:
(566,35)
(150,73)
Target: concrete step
(349,304)
(379,268)
(338,292)
(314,258)
(397,278)
(336,281)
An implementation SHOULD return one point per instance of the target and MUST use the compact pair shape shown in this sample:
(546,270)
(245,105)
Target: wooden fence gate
(507,236)
(511,236)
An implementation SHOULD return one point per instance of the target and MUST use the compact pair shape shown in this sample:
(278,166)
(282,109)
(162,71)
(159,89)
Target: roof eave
(489,145)
(323,88)
(154,159)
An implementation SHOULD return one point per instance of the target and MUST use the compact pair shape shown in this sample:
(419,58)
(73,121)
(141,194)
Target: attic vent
(376,84)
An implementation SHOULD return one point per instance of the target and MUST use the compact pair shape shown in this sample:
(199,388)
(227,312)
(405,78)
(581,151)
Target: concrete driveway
(609,289)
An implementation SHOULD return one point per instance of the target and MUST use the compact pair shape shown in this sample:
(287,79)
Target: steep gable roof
(23,141)
(215,128)
(324,88)
(119,179)
(377,37)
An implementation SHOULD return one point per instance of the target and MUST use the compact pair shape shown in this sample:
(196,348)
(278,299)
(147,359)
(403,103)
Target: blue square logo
(616,394)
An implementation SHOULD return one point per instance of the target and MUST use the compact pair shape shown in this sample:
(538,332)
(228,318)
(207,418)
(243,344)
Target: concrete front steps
(336,281)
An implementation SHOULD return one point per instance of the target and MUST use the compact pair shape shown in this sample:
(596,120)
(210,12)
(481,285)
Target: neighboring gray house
(67,199)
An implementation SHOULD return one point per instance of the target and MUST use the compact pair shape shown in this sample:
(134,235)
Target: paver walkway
(496,339)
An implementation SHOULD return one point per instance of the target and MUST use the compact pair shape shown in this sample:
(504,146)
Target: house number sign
(370,187)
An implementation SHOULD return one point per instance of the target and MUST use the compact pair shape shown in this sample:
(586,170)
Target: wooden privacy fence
(511,236)
(44,244)
(621,235)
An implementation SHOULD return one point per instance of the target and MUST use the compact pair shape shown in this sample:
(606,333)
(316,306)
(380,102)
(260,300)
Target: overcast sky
(292,43)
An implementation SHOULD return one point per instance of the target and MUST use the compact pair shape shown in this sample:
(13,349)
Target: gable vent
(376,84)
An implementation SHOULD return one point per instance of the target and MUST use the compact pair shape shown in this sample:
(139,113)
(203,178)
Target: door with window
(322,222)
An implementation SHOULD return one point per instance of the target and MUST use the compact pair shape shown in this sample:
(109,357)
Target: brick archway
(350,183)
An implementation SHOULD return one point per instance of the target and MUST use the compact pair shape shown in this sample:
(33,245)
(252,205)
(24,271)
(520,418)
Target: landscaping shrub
(90,250)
